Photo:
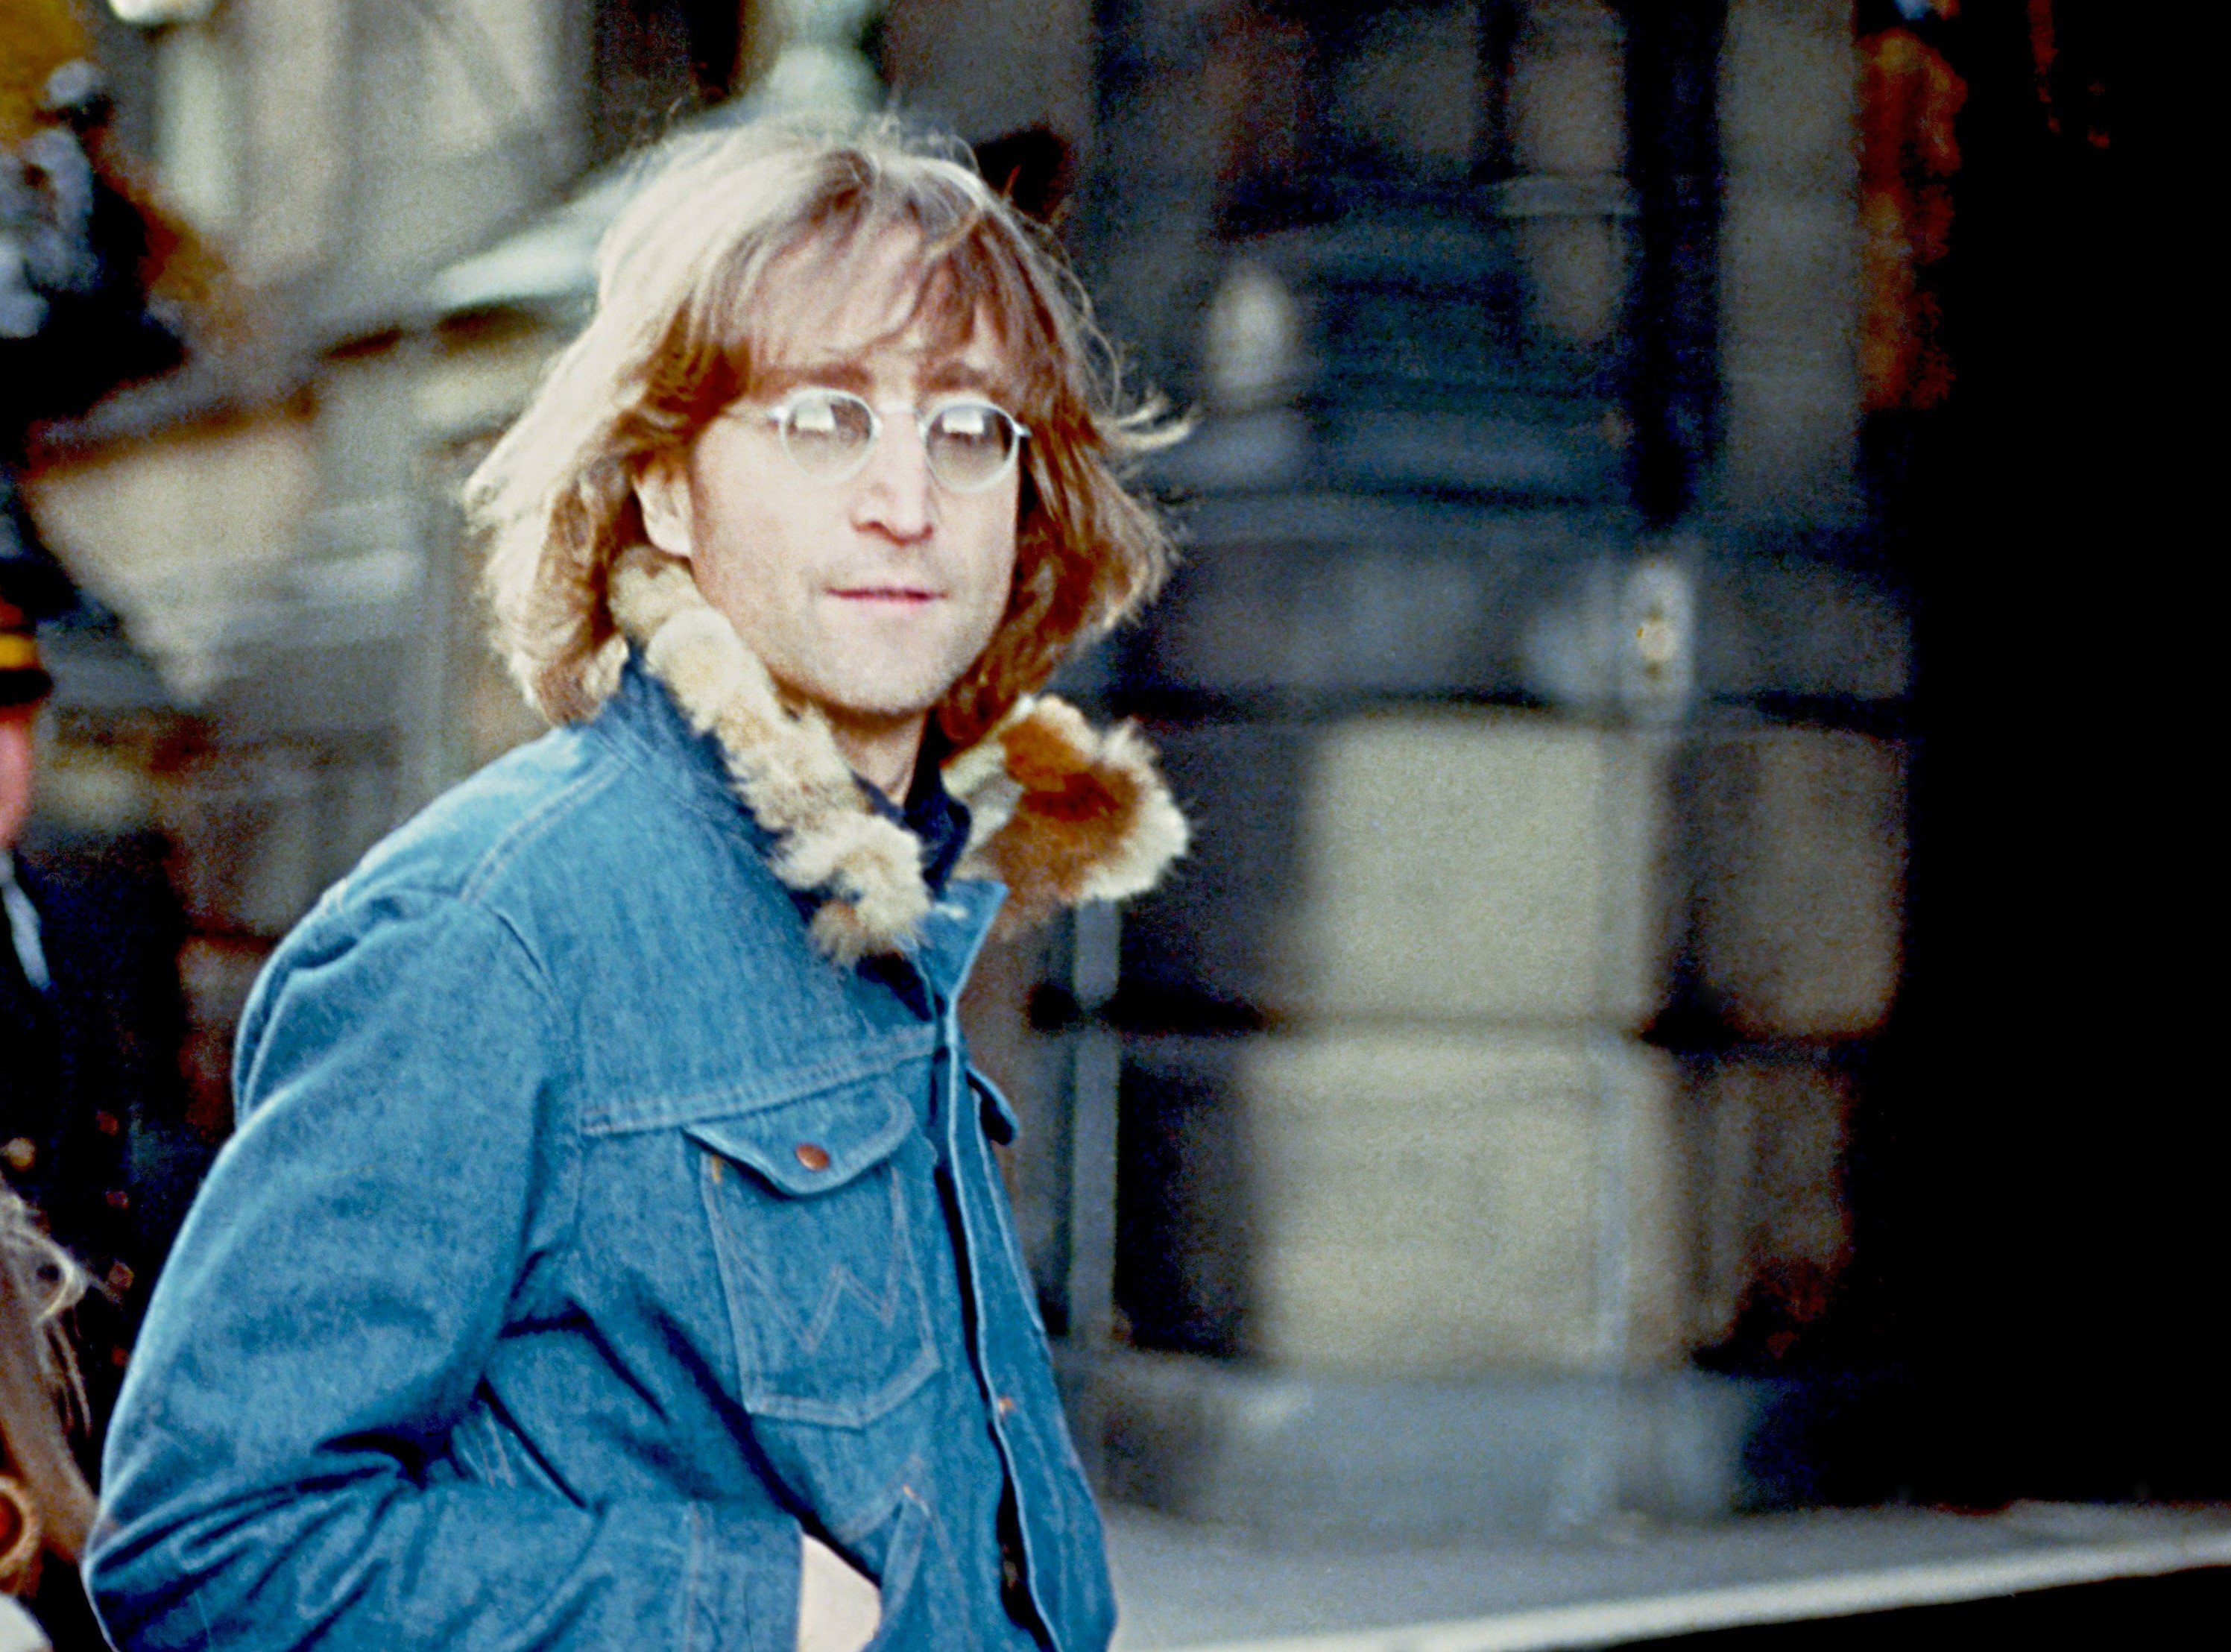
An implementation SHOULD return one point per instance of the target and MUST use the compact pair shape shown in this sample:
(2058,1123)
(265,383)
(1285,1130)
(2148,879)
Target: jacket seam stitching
(695,1107)
(730,813)
(565,1063)
(499,857)
(692,1558)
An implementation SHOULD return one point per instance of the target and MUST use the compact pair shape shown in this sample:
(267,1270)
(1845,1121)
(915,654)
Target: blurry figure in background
(93,1128)
(80,252)
(92,1018)
(46,1508)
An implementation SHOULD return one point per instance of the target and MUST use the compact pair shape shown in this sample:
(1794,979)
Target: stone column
(1788,262)
(1421,1219)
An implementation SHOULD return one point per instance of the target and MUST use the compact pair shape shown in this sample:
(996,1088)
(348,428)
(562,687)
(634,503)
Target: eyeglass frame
(779,415)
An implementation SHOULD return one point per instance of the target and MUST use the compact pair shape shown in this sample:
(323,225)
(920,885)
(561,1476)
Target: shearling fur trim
(1059,812)
(1062,813)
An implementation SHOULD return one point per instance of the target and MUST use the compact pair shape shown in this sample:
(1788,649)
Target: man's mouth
(901,595)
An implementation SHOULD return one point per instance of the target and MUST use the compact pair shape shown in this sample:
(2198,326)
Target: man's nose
(896,489)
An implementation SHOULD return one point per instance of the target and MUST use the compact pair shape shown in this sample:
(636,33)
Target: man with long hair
(611,1251)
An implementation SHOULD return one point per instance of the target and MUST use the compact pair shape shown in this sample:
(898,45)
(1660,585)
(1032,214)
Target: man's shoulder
(553,840)
(565,866)
(488,834)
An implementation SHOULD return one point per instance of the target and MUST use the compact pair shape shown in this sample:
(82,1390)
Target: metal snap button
(813,1156)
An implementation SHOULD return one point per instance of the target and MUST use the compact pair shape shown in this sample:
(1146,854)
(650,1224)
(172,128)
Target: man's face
(18,757)
(870,596)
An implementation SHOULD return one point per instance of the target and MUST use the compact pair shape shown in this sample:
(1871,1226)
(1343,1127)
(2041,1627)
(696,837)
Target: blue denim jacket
(578,1245)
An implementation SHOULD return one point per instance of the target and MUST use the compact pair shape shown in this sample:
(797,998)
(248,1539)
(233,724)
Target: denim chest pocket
(815,1230)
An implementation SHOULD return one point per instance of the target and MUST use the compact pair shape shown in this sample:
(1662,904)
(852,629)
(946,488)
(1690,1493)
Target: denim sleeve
(399,1182)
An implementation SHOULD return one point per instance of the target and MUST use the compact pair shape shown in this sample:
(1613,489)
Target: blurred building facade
(1463,1136)
(271,524)
(1537,689)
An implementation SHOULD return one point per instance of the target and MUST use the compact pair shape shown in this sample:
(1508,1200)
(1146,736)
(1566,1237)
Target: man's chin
(881,704)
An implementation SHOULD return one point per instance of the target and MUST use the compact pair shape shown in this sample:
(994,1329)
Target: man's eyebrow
(836,375)
(953,373)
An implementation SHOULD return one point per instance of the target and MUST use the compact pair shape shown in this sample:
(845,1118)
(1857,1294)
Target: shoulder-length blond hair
(683,318)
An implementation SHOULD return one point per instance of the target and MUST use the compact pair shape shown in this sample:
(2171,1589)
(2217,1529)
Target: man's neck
(883,751)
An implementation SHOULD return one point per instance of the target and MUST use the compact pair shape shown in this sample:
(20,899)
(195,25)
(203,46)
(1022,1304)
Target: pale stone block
(1576,271)
(1647,1309)
(1440,1204)
(1769,1189)
(1480,865)
(1801,888)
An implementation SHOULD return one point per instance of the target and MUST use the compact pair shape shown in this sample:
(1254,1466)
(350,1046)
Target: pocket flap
(816,1142)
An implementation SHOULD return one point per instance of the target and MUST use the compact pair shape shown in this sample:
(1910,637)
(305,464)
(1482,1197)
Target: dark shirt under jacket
(934,815)
(941,821)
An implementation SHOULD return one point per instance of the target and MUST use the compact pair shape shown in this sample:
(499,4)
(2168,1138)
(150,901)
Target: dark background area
(2040,1255)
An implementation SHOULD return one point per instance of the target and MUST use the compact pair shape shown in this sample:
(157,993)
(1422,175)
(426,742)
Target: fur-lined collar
(1059,811)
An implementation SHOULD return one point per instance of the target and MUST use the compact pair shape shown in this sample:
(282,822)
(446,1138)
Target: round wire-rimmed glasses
(970,445)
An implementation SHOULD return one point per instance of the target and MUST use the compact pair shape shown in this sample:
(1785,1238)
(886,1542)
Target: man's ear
(662,488)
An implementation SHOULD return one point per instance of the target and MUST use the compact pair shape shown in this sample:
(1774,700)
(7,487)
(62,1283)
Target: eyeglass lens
(970,445)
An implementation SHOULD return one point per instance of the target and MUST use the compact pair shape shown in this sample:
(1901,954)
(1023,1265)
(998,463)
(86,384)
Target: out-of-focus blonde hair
(49,1507)
(684,317)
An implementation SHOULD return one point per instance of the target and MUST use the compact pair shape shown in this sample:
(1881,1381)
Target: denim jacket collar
(642,720)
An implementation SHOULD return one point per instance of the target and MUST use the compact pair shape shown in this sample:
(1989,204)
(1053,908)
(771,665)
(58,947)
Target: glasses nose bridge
(914,485)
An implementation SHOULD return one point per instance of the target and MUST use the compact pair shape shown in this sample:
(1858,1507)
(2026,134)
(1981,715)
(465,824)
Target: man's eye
(964,421)
(816,418)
